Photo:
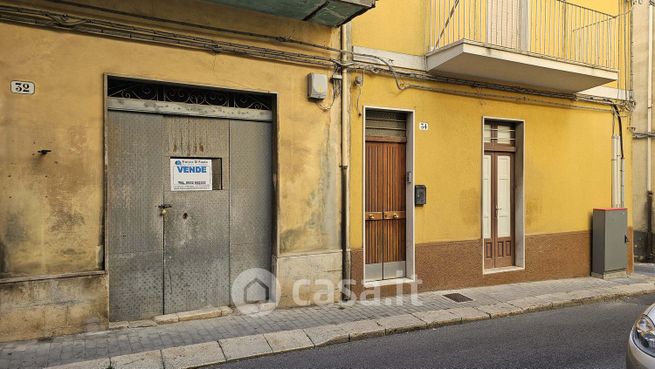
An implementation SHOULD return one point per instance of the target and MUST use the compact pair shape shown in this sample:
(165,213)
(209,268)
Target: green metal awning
(327,12)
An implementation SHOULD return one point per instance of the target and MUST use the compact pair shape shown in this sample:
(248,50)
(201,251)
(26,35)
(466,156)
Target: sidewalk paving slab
(245,347)
(327,335)
(288,340)
(400,323)
(632,289)
(192,356)
(642,288)
(91,364)
(142,360)
(438,318)
(362,329)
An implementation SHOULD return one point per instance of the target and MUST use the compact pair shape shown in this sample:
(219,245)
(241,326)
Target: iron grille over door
(155,91)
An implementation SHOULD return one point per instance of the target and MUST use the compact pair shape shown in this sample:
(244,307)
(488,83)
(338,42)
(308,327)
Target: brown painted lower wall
(51,307)
(458,264)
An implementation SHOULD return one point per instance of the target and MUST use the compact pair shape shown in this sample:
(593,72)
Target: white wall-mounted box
(317,86)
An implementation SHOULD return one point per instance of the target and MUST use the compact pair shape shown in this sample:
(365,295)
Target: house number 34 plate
(22,87)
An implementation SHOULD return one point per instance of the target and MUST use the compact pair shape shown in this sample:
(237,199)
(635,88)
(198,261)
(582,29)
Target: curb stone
(401,323)
(192,356)
(438,318)
(245,347)
(327,335)
(531,304)
(585,296)
(362,329)
(560,299)
(469,314)
(500,310)
(285,341)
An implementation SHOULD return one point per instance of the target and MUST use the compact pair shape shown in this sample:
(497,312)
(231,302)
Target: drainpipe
(345,164)
(618,163)
(649,170)
(616,171)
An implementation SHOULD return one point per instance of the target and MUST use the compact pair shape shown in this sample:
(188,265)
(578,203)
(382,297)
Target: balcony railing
(547,28)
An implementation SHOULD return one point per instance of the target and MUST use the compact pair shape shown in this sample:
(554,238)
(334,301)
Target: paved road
(589,336)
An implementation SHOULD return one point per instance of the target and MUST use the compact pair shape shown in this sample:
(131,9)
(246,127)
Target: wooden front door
(385,210)
(385,197)
(498,197)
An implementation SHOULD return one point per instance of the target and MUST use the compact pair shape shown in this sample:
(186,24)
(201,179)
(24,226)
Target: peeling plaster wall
(50,220)
(51,307)
(51,205)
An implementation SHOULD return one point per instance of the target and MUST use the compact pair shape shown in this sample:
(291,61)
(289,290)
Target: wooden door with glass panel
(498,194)
(385,197)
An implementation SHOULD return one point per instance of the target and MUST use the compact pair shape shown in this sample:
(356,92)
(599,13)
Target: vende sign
(191,174)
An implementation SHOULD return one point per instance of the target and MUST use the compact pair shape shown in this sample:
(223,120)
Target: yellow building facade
(230,85)
(564,144)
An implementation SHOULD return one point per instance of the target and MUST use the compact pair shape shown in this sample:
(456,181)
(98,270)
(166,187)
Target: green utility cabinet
(609,242)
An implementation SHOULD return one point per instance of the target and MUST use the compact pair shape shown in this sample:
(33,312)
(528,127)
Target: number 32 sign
(23,87)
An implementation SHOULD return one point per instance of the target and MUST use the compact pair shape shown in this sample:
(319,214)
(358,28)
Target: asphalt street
(588,336)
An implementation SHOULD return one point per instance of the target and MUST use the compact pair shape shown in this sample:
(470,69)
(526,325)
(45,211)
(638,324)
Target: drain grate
(458,297)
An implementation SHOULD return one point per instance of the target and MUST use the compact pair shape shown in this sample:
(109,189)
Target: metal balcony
(547,44)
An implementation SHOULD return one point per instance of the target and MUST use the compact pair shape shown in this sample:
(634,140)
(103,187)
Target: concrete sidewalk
(202,342)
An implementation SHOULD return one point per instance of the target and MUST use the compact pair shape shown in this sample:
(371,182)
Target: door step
(174,318)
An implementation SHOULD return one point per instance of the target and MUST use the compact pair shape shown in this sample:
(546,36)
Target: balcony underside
(471,60)
(327,12)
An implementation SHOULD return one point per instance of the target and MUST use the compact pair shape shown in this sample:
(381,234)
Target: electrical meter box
(609,242)
(317,86)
